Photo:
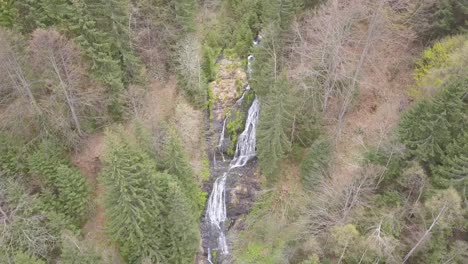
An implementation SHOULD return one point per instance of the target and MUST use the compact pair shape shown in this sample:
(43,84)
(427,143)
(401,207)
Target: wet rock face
(242,194)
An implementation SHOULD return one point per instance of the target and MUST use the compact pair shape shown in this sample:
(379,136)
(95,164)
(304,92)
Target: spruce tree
(454,165)
(315,164)
(185,11)
(181,228)
(274,127)
(134,206)
(429,127)
(175,162)
(7,13)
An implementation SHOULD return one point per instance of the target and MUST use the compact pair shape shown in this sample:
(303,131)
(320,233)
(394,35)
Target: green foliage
(29,230)
(150,218)
(437,19)
(429,127)
(454,163)
(67,191)
(75,251)
(175,162)
(234,126)
(346,241)
(314,259)
(185,12)
(274,127)
(133,201)
(436,57)
(392,159)
(7,13)
(23,258)
(182,228)
(450,17)
(100,28)
(315,164)
(208,63)
(389,199)
(12,156)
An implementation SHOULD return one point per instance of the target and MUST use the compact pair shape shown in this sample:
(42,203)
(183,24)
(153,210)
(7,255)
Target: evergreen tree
(67,191)
(274,127)
(454,165)
(431,126)
(175,162)
(7,13)
(208,64)
(30,15)
(450,17)
(111,17)
(181,228)
(12,156)
(134,205)
(185,11)
(264,67)
(315,164)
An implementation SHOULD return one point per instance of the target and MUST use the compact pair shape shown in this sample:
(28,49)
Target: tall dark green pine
(176,163)
(280,13)
(274,127)
(263,68)
(315,164)
(450,17)
(185,11)
(431,126)
(7,13)
(454,165)
(134,206)
(182,233)
(30,15)
(112,17)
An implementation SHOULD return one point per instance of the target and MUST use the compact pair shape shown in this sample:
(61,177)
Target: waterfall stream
(245,150)
(216,214)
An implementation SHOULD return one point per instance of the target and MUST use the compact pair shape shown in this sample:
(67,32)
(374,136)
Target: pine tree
(431,126)
(264,67)
(30,15)
(208,63)
(67,191)
(175,162)
(454,165)
(111,17)
(7,13)
(134,205)
(274,126)
(185,11)
(315,164)
(183,236)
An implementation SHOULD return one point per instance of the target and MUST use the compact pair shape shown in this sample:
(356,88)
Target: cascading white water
(245,150)
(221,137)
(249,65)
(246,142)
(216,210)
(216,213)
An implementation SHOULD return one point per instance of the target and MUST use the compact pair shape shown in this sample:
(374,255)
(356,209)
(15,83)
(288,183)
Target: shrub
(315,164)
(67,191)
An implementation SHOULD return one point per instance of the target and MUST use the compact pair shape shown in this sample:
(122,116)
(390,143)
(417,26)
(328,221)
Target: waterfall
(249,65)
(216,213)
(221,137)
(246,142)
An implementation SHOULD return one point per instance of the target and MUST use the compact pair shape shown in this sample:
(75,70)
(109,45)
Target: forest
(233,131)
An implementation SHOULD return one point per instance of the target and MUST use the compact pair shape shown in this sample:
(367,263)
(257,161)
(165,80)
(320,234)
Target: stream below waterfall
(216,222)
